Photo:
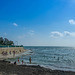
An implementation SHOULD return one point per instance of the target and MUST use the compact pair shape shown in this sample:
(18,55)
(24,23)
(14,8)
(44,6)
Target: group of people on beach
(23,61)
(6,53)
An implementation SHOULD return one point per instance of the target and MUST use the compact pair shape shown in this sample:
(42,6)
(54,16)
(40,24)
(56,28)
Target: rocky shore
(17,50)
(6,68)
(8,49)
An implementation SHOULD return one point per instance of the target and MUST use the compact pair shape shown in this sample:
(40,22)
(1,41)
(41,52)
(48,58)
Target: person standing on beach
(22,61)
(58,59)
(18,60)
(13,53)
(10,52)
(30,60)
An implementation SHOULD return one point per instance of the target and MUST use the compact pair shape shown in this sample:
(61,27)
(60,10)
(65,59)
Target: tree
(1,40)
(11,42)
(5,41)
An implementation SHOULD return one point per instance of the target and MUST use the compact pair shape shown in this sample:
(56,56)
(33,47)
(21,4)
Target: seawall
(16,49)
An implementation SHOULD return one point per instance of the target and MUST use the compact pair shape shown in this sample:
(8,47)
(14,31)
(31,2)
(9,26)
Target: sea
(53,57)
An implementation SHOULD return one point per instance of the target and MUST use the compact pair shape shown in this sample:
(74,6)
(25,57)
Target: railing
(4,46)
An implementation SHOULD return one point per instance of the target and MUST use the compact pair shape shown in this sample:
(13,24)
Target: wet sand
(6,68)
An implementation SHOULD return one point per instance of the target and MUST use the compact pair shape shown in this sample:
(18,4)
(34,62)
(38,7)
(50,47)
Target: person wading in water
(30,60)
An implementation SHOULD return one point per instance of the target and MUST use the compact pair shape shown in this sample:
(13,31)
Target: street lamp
(17,43)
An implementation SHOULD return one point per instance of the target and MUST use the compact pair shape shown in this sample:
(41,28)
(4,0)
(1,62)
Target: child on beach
(22,61)
(15,62)
(3,52)
(18,60)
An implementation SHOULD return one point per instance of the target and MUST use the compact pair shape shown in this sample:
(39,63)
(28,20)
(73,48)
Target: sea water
(56,58)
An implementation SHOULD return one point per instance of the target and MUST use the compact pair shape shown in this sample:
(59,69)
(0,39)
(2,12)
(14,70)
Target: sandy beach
(6,68)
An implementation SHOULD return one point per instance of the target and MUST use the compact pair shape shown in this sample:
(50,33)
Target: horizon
(38,23)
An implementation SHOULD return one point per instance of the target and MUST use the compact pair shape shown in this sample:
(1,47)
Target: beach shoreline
(7,68)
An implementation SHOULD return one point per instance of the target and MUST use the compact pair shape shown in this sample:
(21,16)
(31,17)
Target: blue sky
(38,22)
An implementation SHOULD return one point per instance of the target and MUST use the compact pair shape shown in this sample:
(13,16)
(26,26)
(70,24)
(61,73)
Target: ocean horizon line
(48,46)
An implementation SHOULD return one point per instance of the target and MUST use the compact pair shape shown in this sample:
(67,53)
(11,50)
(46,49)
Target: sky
(38,22)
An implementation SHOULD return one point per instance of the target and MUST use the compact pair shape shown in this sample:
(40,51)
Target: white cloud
(21,36)
(56,34)
(72,1)
(31,32)
(71,21)
(5,33)
(15,24)
(72,34)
